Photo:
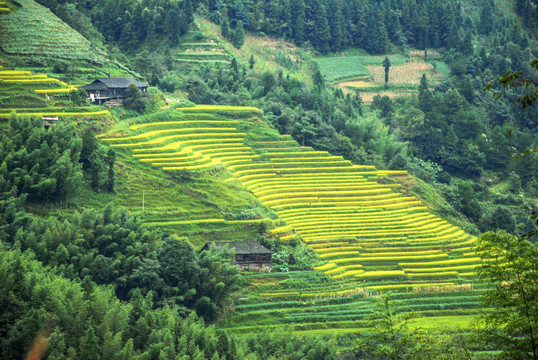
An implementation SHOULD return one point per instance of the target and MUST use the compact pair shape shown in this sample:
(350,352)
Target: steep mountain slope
(33,30)
(369,238)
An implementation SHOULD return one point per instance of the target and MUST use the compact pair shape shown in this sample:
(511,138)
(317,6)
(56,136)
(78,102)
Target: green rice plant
(353,194)
(337,249)
(184,122)
(391,172)
(413,287)
(380,274)
(364,259)
(23,77)
(190,149)
(467,274)
(326,245)
(269,194)
(438,269)
(59,113)
(14,72)
(186,143)
(355,273)
(469,261)
(210,164)
(442,274)
(30,81)
(218,108)
(338,254)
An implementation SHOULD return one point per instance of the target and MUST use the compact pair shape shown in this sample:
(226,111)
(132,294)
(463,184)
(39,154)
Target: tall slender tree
(386,65)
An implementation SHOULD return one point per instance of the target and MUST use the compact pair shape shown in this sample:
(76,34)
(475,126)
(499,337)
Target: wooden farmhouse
(248,254)
(111,90)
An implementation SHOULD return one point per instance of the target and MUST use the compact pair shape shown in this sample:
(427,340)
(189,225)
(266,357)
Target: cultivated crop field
(404,74)
(369,238)
(366,75)
(33,30)
(26,94)
(199,52)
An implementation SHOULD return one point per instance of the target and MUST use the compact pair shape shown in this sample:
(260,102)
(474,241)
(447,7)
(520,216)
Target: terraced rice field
(202,52)
(369,237)
(33,30)
(24,82)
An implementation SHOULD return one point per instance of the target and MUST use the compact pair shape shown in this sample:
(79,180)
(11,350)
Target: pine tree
(322,32)
(425,97)
(238,36)
(225,28)
(251,62)
(386,65)
(486,19)
(299,18)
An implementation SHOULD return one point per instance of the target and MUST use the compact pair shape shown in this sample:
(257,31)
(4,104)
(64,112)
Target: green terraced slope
(29,29)
(369,237)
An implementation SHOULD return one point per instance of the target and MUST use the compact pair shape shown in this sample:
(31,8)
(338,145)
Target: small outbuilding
(248,254)
(111,90)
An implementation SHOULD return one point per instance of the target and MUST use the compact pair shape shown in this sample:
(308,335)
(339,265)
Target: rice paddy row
(26,82)
(202,52)
(368,237)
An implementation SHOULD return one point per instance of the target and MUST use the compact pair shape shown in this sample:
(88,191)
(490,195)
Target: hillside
(367,236)
(32,30)
(262,122)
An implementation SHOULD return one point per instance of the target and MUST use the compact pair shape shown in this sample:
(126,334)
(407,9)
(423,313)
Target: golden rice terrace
(370,238)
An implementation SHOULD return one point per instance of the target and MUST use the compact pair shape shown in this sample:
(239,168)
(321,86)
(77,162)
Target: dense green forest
(95,281)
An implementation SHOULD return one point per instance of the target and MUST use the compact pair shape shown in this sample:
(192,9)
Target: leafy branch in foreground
(511,269)
(518,79)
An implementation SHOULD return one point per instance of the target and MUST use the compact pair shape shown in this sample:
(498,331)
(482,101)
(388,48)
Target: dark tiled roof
(95,86)
(242,247)
(112,83)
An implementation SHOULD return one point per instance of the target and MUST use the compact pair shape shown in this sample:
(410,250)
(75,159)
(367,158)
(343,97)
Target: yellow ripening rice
(391,172)
(54,91)
(392,258)
(22,77)
(327,266)
(168,131)
(15,72)
(186,222)
(186,122)
(438,269)
(349,273)
(90,113)
(206,136)
(324,245)
(325,250)
(195,167)
(417,286)
(473,260)
(433,274)
(185,143)
(218,108)
(338,253)
(381,274)
(32,81)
